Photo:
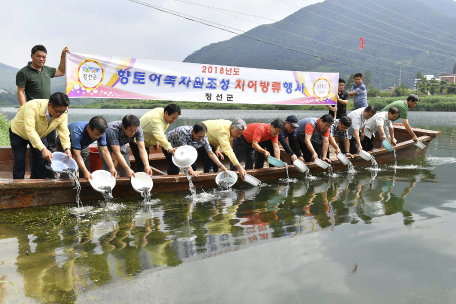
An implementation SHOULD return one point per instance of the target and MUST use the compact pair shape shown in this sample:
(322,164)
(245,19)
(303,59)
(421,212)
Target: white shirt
(379,119)
(358,121)
(48,116)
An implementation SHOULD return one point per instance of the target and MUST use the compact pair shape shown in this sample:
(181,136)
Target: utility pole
(400,75)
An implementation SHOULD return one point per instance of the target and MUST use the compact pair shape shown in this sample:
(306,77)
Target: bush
(4,131)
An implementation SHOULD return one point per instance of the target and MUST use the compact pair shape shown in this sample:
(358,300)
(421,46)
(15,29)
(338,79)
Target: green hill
(245,52)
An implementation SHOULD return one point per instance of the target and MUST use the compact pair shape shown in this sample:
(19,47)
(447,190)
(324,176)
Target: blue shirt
(79,136)
(115,136)
(284,133)
(360,99)
(182,136)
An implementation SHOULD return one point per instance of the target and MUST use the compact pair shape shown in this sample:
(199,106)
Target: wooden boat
(27,193)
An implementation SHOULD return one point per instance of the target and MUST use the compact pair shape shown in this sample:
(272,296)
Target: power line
(316,28)
(294,34)
(375,19)
(436,29)
(332,20)
(202,21)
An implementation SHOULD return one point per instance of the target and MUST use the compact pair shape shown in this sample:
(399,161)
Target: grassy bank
(431,103)
(4,127)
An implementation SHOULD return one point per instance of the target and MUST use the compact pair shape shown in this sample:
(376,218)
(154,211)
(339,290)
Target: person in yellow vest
(34,121)
(219,133)
(154,125)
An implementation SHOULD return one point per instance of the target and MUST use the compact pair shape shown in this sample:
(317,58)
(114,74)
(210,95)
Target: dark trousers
(172,168)
(125,152)
(367,143)
(353,146)
(85,154)
(50,143)
(207,161)
(306,152)
(19,147)
(139,163)
(260,158)
(240,148)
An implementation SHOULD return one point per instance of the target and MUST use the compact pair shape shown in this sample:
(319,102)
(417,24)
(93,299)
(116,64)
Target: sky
(123,28)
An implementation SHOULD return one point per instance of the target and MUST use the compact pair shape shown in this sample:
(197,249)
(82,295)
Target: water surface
(362,238)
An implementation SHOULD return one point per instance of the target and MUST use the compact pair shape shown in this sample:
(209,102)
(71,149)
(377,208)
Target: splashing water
(75,181)
(106,191)
(145,193)
(351,168)
(374,163)
(330,171)
(225,185)
(190,184)
(286,168)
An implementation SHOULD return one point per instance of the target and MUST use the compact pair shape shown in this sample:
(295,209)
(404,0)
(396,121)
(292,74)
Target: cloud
(122,28)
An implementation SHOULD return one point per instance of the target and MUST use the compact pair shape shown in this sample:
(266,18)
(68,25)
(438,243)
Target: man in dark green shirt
(404,106)
(34,82)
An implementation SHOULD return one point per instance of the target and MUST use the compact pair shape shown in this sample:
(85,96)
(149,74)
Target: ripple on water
(437,161)
(81,210)
(114,206)
(411,167)
(289,180)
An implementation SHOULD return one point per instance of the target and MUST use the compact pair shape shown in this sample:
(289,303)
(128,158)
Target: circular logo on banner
(90,74)
(321,88)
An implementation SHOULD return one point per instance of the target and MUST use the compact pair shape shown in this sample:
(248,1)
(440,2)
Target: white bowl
(252,180)
(61,162)
(321,164)
(185,156)
(229,178)
(142,180)
(343,159)
(420,145)
(300,166)
(365,155)
(102,178)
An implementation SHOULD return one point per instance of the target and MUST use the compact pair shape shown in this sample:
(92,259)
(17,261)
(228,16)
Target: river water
(354,238)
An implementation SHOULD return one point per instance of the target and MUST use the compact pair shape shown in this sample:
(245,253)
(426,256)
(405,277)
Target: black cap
(293,121)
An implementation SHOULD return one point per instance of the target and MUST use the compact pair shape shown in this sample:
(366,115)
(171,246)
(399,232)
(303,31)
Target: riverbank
(431,103)
(4,127)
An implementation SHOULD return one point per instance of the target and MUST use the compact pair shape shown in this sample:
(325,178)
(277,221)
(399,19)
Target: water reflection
(59,256)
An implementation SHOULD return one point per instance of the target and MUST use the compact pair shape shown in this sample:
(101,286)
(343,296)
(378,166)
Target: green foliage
(367,78)
(401,90)
(4,131)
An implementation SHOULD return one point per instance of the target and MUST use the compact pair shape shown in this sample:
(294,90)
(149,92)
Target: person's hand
(266,154)
(113,172)
(326,159)
(65,50)
(383,137)
(242,173)
(148,170)
(360,148)
(349,155)
(293,157)
(87,175)
(222,167)
(130,173)
(68,152)
(361,137)
(219,154)
(314,156)
(47,155)
(156,147)
(193,173)
(334,109)
(393,141)
(337,150)
(302,159)
(172,150)
(415,139)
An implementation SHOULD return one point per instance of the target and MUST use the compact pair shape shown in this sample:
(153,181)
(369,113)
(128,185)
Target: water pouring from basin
(62,163)
(143,184)
(226,180)
(102,181)
(183,157)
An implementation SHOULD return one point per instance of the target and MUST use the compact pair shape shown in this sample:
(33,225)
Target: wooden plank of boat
(26,193)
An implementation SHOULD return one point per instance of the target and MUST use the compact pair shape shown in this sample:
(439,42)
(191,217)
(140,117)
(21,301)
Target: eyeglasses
(59,112)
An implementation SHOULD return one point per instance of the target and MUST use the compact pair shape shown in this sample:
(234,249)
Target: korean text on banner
(90,76)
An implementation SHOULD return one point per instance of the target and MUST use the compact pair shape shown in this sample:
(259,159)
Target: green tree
(400,90)
(451,88)
(372,92)
(423,85)
(434,86)
(443,86)
(367,78)
(349,82)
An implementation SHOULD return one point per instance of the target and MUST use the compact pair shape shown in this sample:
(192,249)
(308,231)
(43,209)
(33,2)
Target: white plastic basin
(252,180)
(229,178)
(420,145)
(61,162)
(101,179)
(141,181)
(321,164)
(300,166)
(365,155)
(185,156)
(343,158)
